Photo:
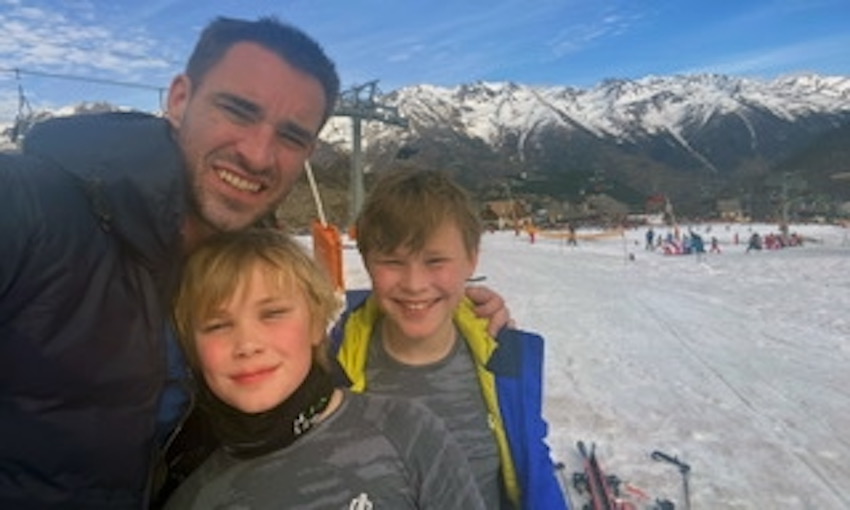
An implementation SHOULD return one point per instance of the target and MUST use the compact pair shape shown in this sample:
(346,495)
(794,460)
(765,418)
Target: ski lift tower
(359,104)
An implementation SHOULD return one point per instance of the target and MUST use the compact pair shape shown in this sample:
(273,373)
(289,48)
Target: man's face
(245,131)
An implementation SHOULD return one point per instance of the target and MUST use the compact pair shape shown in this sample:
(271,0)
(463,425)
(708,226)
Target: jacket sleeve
(19,222)
(521,401)
(354,299)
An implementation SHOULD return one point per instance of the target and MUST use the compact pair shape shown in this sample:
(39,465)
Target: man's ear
(178,98)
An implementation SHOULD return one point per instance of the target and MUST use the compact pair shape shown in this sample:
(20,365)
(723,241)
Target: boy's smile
(418,292)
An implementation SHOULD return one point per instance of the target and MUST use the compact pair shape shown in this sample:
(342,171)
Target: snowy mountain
(693,138)
(680,135)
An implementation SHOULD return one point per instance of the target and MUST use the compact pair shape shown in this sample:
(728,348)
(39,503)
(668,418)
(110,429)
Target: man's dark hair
(287,41)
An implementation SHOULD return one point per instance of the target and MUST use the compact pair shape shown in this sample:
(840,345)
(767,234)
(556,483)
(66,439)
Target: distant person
(715,245)
(253,311)
(416,337)
(696,242)
(571,235)
(650,236)
(532,229)
(97,214)
(754,243)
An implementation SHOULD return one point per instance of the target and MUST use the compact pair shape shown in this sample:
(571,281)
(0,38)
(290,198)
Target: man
(97,215)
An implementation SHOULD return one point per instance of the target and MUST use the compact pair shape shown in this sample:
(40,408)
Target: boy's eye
(213,326)
(274,313)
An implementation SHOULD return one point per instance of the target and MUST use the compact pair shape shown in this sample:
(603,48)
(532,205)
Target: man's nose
(258,147)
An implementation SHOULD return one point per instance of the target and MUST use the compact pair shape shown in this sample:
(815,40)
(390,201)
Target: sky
(735,363)
(447,43)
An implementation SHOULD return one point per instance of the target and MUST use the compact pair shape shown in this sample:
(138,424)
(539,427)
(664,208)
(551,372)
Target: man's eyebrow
(291,128)
(242,103)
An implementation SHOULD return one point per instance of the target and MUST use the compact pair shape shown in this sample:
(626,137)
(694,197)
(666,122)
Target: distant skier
(755,242)
(696,242)
(715,245)
(650,236)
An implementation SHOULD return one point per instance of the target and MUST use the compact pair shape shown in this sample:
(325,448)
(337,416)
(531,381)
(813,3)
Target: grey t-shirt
(372,453)
(450,389)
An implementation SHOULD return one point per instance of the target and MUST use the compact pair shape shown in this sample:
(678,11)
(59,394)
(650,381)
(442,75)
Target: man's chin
(231,221)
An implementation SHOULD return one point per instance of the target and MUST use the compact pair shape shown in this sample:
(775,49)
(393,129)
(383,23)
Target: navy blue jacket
(89,246)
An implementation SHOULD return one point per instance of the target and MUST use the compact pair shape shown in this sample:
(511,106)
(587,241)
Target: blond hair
(406,206)
(221,265)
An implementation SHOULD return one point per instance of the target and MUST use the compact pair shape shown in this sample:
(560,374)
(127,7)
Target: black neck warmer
(246,436)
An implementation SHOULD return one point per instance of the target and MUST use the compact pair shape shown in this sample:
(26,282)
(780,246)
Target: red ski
(599,486)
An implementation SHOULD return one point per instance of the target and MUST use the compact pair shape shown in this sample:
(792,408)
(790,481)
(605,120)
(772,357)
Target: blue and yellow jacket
(509,370)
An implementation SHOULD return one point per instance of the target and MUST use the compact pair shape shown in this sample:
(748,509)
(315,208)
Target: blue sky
(442,42)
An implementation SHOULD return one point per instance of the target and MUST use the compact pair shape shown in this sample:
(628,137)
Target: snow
(736,363)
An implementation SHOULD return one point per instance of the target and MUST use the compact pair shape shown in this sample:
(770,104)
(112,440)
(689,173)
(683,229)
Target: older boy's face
(256,349)
(245,132)
(418,292)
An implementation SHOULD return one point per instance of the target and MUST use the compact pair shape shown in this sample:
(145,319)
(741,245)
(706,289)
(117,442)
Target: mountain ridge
(686,136)
(692,138)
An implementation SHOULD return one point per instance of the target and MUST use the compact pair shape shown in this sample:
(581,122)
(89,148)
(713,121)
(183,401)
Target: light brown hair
(220,265)
(406,206)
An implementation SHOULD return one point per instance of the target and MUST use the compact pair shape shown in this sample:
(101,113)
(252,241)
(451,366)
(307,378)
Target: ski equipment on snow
(562,480)
(684,469)
(604,490)
(595,482)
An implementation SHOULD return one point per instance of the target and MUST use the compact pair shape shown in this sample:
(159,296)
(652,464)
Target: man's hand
(490,305)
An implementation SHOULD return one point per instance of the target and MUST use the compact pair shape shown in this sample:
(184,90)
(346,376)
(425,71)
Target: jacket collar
(132,170)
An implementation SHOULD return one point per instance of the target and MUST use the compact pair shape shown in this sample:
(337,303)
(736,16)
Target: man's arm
(491,306)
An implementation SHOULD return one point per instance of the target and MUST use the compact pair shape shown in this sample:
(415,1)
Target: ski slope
(737,363)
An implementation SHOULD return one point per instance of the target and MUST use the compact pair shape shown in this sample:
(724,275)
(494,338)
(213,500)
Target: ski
(599,486)
(608,492)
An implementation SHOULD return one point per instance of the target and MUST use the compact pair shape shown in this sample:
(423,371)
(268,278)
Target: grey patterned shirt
(372,453)
(450,389)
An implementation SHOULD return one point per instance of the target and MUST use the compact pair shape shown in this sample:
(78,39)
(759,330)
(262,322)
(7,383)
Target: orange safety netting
(603,234)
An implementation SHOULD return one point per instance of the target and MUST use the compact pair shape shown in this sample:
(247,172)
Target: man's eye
(236,112)
(292,139)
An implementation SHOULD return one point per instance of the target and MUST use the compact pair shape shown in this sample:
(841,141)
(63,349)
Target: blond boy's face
(256,349)
(418,292)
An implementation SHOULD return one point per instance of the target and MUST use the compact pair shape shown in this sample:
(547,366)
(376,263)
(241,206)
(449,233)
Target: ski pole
(562,478)
(684,469)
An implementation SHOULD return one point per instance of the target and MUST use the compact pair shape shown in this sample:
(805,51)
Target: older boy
(417,337)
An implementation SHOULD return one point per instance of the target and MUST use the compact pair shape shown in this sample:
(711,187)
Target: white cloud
(578,36)
(73,42)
